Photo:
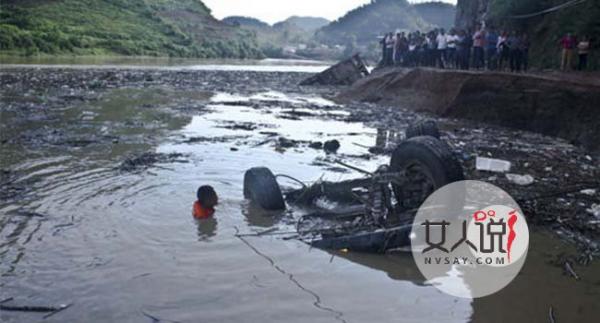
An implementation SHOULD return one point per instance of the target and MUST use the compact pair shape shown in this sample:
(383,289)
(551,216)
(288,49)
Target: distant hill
(183,28)
(284,38)
(437,13)
(309,24)
(245,22)
(364,24)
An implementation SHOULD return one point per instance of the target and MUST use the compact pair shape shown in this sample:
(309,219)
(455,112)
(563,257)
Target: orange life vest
(200,212)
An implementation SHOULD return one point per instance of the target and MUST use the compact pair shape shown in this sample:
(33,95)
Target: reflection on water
(119,243)
(207,228)
(258,217)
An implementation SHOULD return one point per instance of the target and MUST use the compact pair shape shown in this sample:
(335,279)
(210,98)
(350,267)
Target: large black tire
(260,187)
(423,128)
(429,164)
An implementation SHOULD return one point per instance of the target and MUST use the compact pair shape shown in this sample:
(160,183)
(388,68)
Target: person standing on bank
(514,44)
(442,46)
(382,43)
(525,51)
(460,50)
(583,50)
(503,51)
(468,41)
(478,42)
(452,39)
(568,45)
(389,49)
(491,49)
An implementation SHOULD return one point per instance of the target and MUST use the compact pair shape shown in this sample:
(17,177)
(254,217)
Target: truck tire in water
(429,164)
(423,128)
(260,187)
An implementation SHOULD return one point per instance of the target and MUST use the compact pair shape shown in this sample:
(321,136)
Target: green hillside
(437,13)
(241,21)
(309,24)
(364,24)
(181,28)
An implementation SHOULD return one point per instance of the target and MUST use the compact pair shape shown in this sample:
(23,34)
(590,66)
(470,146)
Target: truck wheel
(428,165)
(424,128)
(260,187)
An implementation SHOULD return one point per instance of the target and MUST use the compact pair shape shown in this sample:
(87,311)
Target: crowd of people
(486,48)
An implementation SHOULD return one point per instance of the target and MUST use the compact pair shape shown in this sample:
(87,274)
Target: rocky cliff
(471,12)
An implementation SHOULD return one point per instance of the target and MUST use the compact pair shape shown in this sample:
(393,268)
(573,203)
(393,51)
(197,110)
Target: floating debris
(589,191)
(594,210)
(522,180)
(492,165)
(149,159)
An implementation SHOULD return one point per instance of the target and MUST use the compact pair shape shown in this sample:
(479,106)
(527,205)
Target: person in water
(204,207)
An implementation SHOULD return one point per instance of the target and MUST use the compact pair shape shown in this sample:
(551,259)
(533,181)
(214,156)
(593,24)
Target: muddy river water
(98,185)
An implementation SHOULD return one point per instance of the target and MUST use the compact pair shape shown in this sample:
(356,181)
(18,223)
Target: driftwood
(28,308)
(551,315)
(62,308)
(156,318)
(570,270)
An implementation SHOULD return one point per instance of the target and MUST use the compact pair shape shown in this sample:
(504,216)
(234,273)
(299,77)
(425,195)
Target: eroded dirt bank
(565,108)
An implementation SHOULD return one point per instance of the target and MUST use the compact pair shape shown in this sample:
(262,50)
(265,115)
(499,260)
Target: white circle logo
(469,239)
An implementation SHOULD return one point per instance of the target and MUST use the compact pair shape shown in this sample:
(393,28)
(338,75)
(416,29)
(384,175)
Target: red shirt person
(567,43)
(204,207)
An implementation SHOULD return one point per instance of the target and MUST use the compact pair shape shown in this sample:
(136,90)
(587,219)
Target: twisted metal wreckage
(375,212)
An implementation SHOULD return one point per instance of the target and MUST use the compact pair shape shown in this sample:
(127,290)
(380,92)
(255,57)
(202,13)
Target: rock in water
(345,72)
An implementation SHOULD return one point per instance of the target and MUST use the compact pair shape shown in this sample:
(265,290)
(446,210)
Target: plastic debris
(594,210)
(492,165)
(522,180)
(589,191)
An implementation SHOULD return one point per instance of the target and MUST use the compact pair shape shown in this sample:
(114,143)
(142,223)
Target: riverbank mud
(554,105)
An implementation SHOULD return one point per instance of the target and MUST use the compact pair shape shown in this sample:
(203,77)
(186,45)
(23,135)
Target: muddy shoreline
(111,121)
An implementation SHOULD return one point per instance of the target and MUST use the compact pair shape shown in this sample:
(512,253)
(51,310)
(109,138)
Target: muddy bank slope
(565,108)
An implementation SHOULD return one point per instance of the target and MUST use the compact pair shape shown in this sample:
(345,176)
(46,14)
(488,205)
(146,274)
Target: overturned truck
(375,212)
(345,72)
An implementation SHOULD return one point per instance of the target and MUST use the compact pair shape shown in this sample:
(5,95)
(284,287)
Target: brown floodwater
(122,246)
